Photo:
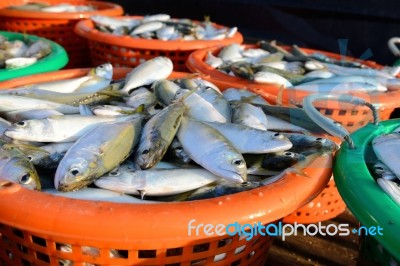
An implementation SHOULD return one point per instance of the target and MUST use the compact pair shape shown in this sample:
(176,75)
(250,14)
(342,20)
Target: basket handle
(328,124)
(392,43)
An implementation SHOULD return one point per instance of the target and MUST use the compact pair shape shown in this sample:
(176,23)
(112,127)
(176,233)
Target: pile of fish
(93,137)
(58,8)
(296,70)
(17,53)
(387,170)
(162,27)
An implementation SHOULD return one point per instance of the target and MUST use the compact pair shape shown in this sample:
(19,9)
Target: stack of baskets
(34,225)
(56,60)
(57,27)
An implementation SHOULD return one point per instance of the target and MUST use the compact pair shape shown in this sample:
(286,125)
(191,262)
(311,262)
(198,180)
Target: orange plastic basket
(125,51)
(351,117)
(58,27)
(33,224)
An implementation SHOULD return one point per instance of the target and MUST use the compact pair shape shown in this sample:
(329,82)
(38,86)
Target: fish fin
(142,193)
(111,93)
(85,110)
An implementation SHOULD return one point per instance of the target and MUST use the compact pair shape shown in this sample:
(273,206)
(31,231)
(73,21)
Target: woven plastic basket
(34,224)
(57,27)
(124,51)
(349,116)
(56,60)
(366,200)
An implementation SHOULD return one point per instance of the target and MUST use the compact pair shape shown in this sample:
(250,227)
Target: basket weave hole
(342,112)
(43,257)
(350,124)
(174,252)
(201,247)
(147,254)
(224,242)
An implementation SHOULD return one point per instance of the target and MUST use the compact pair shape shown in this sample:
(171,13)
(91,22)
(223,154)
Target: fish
(213,60)
(280,161)
(97,152)
(156,182)
(264,77)
(277,124)
(249,115)
(10,103)
(47,156)
(380,170)
(217,100)
(98,194)
(231,52)
(250,140)
(165,91)
(65,128)
(147,27)
(16,116)
(307,144)
(386,147)
(146,73)
(392,189)
(141,96)
(114,23)
(16,167)
(234,94)
(177,154)
(199,108)
(158,134)
(19,62)
(339,87)
(208,148)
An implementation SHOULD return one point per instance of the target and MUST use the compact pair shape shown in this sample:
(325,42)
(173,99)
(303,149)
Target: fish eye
(30,158)
(379,168)
(21,123)
(114,173)
(278,136)
(207,88)
(101,66)
(245,183)
(74,171)
(290,154)
(25,179)
(322,140)
(146,151)
(179,149)
(237,162)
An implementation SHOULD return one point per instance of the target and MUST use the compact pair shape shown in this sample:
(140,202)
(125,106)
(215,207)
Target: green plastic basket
(363,196)
(56,60)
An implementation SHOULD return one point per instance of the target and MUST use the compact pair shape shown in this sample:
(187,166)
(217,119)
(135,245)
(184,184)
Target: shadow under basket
(37,228)
(58,27)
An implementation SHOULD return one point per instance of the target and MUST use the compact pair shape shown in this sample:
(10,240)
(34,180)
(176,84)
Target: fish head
(104,71)
(21,171)
(27,128)
(148,155)
(279,142)
(74,173)
(235,170)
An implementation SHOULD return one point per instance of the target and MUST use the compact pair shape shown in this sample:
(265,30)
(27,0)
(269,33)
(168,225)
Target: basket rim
(361,192)
(195,63)
(80,219)
(105,8)
(57,59)
(85,29)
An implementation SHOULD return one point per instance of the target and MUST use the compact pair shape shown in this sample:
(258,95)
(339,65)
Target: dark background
(366,25)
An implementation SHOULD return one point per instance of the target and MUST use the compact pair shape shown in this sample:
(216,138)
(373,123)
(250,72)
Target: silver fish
(141,96)
(96,153)
(392,189)
(249,115)
(307,144)
(158,134)
(156,182)
(234,94)
(165,91)
(208,148)
(386,148)
(64,128)
(16,116)
(250,140)
(382,171)
(98,194)
(146,73)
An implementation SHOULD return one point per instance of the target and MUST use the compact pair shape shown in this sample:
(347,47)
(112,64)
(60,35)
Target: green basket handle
(330,126)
